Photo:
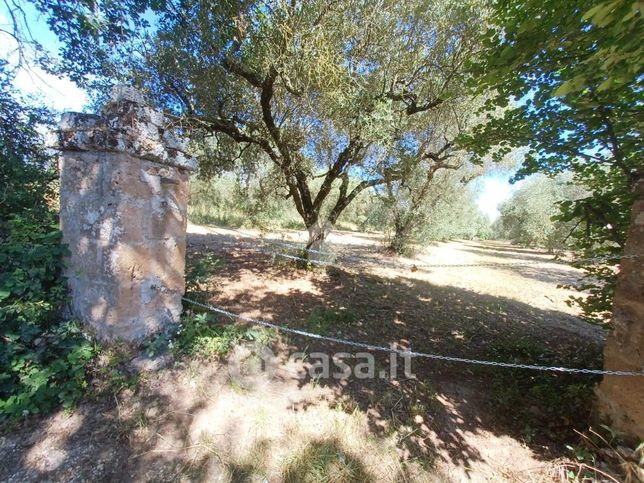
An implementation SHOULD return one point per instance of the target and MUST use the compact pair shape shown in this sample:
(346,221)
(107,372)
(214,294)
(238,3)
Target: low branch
(411,102)
(238,68)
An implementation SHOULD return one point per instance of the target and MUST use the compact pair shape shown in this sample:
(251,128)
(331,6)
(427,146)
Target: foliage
(253,200)
(202,334)
(42,359)
(299,95)
(40,373)
(93,36)
(455,216)
(601,453)
(567,75)
(434,204)
(110,371)
(235,200)
(449,211)
(529,217)
(26,170)
(200,269)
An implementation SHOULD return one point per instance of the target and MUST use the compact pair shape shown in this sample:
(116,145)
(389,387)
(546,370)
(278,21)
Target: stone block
(126,125)
(166,217)
(621,398)
(123,216)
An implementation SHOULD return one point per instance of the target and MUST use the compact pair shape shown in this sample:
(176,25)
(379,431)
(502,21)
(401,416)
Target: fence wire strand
(427,355)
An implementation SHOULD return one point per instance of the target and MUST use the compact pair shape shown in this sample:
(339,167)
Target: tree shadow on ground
(445,401)
(548,270)
(162,433)
(319,461)
(506,247)
(444,412)
(554,275)
(100,441)
(505,255)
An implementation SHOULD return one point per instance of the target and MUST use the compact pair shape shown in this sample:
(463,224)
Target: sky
(492,190)
(61,94)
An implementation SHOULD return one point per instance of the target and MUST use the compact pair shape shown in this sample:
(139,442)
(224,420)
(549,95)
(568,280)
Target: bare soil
(228,420)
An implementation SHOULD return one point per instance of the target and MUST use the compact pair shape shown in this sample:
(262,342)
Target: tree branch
(345,158)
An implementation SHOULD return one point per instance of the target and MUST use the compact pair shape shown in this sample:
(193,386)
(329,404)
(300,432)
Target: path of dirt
(231,421)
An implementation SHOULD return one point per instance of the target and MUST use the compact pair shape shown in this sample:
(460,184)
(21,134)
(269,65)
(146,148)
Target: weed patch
(200,269)
(324,461)
(325,321)
(201,335)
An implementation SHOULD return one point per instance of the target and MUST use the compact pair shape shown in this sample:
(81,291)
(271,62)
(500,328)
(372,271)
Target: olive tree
(320,88)
(425,154)
(529,217)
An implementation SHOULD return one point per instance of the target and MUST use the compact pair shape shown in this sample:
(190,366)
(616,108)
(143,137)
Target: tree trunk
(319,230)
(317,235)
(402,234)
(621,398)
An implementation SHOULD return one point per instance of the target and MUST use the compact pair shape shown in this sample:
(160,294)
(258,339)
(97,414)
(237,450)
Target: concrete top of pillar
(127,124)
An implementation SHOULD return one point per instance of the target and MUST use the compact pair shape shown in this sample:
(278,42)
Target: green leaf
(564,89)
(605,85)
(601,16)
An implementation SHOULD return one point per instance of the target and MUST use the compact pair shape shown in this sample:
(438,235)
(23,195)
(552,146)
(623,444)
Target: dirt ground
(233,420)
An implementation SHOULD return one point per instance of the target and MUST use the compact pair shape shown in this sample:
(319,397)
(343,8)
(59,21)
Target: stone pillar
(123,200)
(621,398)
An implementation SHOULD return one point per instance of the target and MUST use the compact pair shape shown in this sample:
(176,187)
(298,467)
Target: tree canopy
(529,217)
(345,91)
(322,89)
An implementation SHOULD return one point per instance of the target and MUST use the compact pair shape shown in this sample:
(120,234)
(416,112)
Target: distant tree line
(530,218)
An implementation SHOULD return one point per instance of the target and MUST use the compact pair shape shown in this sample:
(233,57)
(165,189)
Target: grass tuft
(324,461)
(325,321)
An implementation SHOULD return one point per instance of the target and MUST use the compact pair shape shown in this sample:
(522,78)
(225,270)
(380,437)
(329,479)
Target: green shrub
(325,321)
(42,358)
(543,403)
(201,335)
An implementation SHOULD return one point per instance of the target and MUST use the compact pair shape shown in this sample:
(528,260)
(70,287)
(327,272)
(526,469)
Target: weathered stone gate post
(123,200)
(621,399)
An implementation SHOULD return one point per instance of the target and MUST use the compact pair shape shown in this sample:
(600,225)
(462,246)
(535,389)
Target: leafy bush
(201,335)
(42,358)
(529,217)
